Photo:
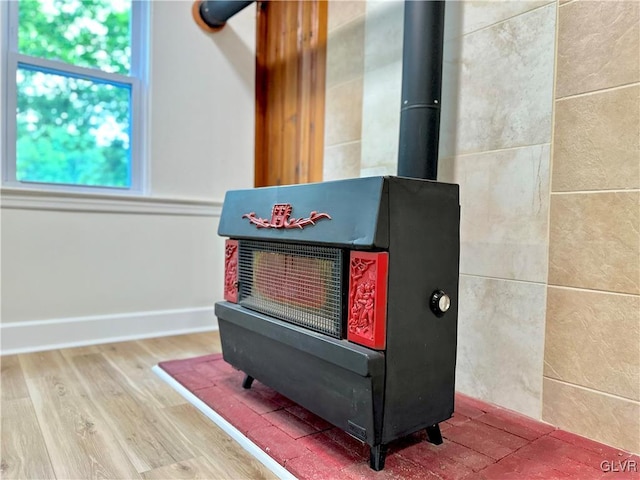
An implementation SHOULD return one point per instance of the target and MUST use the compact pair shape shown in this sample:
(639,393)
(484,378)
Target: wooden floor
(100,412)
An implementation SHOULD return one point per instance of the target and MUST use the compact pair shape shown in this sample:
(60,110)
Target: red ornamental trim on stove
(362,295)
(231,271)
(280,218)
(366,323)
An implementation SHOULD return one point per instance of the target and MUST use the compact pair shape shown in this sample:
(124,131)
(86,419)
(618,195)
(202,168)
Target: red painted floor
(482,441)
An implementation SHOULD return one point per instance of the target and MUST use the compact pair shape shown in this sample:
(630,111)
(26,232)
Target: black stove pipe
(213,14)
(421,89)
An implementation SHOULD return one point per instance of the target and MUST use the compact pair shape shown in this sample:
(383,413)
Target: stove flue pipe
(212,15)
(421,89)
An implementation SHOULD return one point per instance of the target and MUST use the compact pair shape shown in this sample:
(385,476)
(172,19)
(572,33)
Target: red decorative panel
(367,321)
(231,271)
(280,218)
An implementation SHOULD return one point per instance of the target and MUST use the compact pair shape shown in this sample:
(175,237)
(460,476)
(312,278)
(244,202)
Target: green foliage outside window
(74,130)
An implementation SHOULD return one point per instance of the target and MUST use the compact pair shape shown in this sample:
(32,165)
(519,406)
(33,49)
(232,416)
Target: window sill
(32,199)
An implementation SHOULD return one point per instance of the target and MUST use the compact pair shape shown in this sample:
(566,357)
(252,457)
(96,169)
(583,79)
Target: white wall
(202,103)
(72,274)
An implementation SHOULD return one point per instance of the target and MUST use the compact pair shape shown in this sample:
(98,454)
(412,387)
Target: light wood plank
(24,454)
(46,364)
(194,469)
(132,361)
(207,342)
(214,444)
(12,379)
(83,419)
(74,352)
(136,424)
(183,346)
(79,440)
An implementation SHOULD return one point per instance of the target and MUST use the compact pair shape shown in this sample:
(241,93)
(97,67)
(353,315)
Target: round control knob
(440,303)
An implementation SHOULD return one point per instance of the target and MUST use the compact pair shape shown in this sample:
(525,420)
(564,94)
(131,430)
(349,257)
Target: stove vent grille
(300,284)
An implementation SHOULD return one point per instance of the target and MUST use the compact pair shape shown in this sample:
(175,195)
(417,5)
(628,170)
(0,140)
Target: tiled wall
(592,348)
(345,72)
(498,138)
(364,69)
(495,141)
(382,85)
(548,248)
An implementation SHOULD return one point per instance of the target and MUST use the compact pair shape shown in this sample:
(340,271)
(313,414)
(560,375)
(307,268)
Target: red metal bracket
(231,271)
(367,316)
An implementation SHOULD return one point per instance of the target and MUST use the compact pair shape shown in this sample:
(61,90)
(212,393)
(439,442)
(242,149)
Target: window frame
(137,81)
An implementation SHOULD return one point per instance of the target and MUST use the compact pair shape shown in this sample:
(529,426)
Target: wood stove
(343,297)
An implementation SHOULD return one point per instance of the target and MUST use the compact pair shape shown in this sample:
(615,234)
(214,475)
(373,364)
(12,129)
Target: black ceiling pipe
(421,89)
(215,13)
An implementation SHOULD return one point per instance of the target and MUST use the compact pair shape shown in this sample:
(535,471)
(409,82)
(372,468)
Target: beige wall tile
(343,113)
(344,11)
(453,20)
(506,84)
(345,52)
(504,199)
(381,116)
(605,418)
(501,342)
(451,73)
(379,171)
(593,339)
(446,169)
(598,45)
(596,143)
(480,14)
(383,34)
(342,161)
(594,241)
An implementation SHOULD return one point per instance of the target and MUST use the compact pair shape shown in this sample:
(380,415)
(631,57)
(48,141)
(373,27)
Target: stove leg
(377,456)
(433,434)
(246,383)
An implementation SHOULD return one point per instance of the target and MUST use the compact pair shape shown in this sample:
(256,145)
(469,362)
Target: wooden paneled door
(290,90)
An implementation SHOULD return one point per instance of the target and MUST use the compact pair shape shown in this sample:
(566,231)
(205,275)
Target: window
(75,77)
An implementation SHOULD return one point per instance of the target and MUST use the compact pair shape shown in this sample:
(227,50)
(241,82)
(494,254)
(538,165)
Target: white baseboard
(38,335)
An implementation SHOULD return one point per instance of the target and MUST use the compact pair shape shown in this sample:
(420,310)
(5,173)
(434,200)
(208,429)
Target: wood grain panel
(79,440)
(132,362)
(13,385)
(74,352)
(260,156)
(24,454)
(86,416)
(316,51)
(208,437)
(182,346)
(193,469)
(148,443)
(46,364)
(290,90)
(290,107)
